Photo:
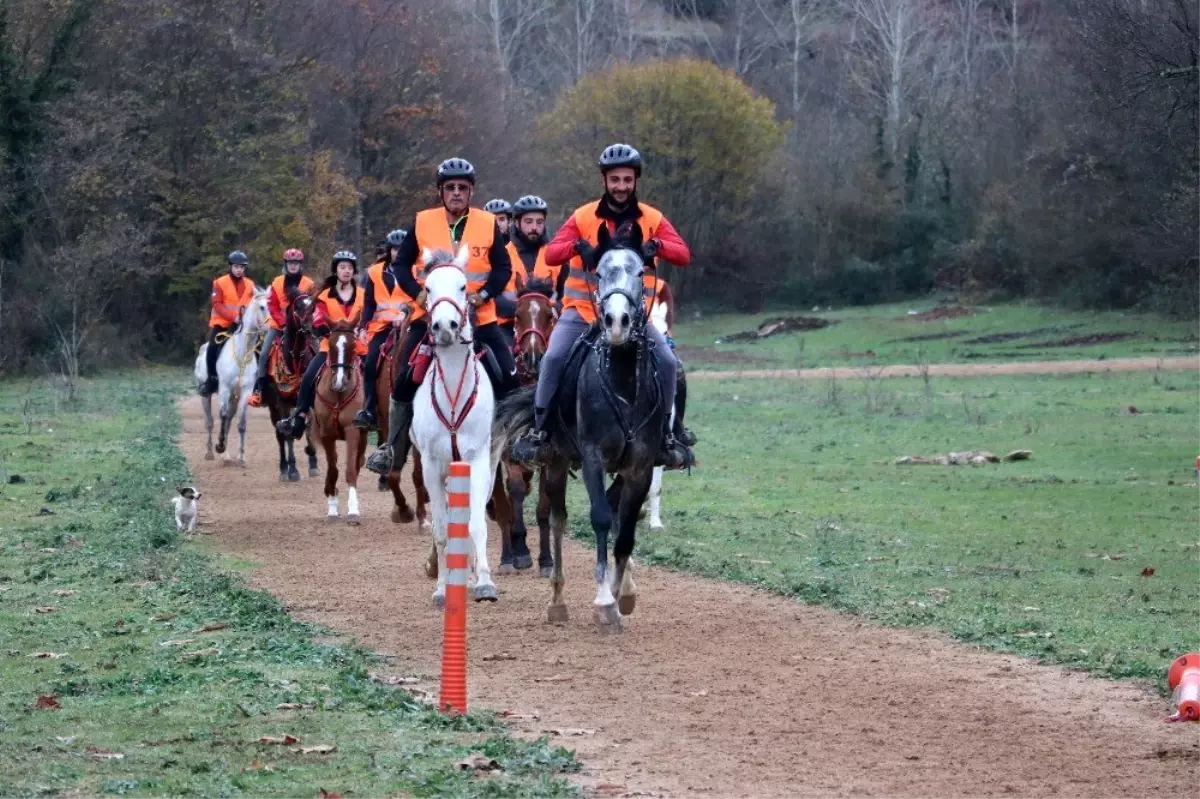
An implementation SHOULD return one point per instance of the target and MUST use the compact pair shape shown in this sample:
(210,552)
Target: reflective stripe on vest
(389,305)
(228,300)
(577,293)
(433,233)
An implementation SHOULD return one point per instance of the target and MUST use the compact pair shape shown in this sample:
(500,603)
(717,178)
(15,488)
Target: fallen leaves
(199,653)
(478,763)
(45,609)
(178,642)
(569,732)
(499,656)
(1035,634)
(293,706)
(324,794)
(513,715)
(162,617)
(48,655)
(553,678)
(696,694)
(258,765)
(47,702)
(286,740)
(65,592)
(392,679)
(212,626)
(319,749)
(104,754)
(1148,571)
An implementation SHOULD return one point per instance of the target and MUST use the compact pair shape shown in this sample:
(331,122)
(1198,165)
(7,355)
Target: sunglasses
(457,188)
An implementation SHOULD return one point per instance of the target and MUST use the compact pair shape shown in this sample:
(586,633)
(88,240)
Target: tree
(705,137)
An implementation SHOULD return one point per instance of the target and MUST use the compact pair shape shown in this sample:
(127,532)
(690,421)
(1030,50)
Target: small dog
(186,507)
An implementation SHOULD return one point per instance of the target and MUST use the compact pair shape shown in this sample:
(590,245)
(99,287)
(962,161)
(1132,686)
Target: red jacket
(671,247)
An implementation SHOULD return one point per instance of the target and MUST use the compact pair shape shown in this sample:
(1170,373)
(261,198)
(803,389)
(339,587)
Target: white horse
(236,369)
(658,318)
(452,417)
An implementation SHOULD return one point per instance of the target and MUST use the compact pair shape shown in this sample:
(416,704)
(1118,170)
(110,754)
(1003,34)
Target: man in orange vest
(279,300)
(528,247)
(503,213)
(619,209)
(453,223)
(385,307)
(231,293)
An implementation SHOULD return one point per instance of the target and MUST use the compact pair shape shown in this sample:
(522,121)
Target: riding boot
(400,416)
(674,454)
(256,399)
(530,449)
(365,418)
(293,426)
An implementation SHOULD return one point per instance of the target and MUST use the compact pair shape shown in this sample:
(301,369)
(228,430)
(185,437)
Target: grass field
(798,493)
(145,701)
(885,334)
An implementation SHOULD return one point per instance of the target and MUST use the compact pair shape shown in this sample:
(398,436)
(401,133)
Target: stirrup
(380,461)
(686,437)
(528,449)
(364,420)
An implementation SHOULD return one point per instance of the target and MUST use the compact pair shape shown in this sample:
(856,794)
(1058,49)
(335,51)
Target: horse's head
(533,322)
(446,290)
(301,311)
(254,317)
(342,353)
(619,271)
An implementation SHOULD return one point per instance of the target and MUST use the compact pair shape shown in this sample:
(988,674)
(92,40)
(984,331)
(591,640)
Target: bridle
(452,421)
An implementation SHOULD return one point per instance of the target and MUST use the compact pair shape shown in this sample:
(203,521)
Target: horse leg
(545,559)
(401,513)
(293,474)
(503,516)
(437,502)
(484,476)
(421,489)
(329,442)
(284,442)
(206,403)
(311,451)
(244,408)
(633,494)
(604,606)
(517,490)
(223,412)
(355,443)
(554,485)
(656,491)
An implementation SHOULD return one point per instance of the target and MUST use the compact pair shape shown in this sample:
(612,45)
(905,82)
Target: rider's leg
(210,359)
(393,453)
(295,424)
(681,432)
(260,379)
(566,332)
(365,418)
(492,337)
(673,454)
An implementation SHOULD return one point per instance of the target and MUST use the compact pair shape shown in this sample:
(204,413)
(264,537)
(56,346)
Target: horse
(284,373)
(452,418)
(533,322)
(388,369)
(235,374)
(662,316)
(339,395)
(609,416)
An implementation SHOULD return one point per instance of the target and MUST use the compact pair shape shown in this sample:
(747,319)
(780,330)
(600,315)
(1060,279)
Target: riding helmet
(455,168)
(498,207)
(238,257)
(616,155)
(528,205)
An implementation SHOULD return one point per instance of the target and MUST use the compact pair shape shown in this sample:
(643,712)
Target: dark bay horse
(285,369)
(388,369)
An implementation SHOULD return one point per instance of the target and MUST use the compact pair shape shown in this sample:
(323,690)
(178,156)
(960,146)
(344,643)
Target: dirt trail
(714,689)
(958,369)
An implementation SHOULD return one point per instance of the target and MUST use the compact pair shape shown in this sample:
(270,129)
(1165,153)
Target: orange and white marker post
(1183,679)
(458,553)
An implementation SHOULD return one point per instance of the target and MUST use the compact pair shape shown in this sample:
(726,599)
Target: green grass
(185,725)
(798,493)
(883,335)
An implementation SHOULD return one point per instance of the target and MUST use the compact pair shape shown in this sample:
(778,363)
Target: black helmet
(528,204)
(498,207)
(616,155)
(396,237)
(344,255)
(455,168)
(238,257)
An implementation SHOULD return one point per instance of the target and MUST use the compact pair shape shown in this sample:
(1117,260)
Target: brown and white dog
(186,508)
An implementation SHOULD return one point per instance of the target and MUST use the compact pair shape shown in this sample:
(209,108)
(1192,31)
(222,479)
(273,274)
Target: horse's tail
(514,416)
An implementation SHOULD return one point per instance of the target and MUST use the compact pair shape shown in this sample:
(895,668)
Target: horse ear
(634,240)
(464,252)
(426,256)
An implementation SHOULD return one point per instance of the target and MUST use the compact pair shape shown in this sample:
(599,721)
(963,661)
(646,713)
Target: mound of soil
(928,336)
(1081,341)
(943,312)
(689,352)
(784,324)
(997,338)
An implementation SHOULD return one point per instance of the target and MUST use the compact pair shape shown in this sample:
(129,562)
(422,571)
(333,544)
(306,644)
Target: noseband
(459,309)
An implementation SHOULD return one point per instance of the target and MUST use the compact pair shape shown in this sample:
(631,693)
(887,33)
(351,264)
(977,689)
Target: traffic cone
(1183,678)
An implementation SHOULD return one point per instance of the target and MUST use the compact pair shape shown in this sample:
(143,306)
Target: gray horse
(610,414)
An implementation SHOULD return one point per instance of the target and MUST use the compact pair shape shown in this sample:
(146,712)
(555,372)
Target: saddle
(422,357)
(286,379)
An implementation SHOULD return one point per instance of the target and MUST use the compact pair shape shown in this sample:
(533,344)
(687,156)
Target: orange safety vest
(336,311)
(305,285)
(389,305)
(433,232)
(577,293)
(540,270)
(226,301)
(519,276)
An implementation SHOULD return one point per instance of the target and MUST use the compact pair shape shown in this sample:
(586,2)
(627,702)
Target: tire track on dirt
(956,369)
(714,689)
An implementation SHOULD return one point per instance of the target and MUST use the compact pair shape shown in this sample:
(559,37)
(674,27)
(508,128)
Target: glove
(584,250)
(474,298)
(650,249)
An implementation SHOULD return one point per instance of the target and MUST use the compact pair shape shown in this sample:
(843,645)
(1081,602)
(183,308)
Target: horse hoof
(557,614)
(208,456)
(293,476)
(314,472)
(331,517)
(439,601)
(402,515)
(627,603)
(546,572)
(431,569)
(227,462)
(283,477)
(353,520)
(486,593)
(505,568)
(657,526)
(383,486)
(220,448)
(607,618)
(522,562)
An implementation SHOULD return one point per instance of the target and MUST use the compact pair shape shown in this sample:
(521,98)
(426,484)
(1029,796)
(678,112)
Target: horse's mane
(438,257)
(541,286)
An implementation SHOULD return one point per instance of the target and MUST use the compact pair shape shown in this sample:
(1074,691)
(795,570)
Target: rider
(528,245)
(278,302)
(503,213)
(488,271)
(620,166)
(231,294)
(340,300)
(385,306)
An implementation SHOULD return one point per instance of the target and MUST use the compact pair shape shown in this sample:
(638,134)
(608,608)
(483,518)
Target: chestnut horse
(389,356)
(284,373)
(339,396)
